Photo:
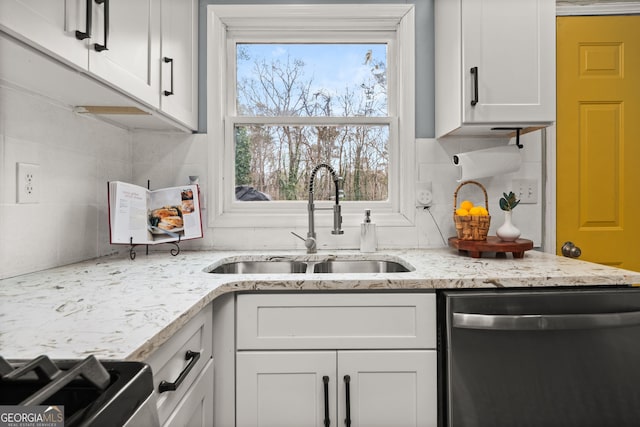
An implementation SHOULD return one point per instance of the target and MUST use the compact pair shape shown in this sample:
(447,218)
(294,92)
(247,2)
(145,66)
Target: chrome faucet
(310,242)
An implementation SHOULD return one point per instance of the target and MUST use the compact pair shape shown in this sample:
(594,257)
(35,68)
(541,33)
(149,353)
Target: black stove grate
(93,393)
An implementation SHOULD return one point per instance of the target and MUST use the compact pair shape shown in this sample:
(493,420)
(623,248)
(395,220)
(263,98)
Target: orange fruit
(466,204)
(462,212)
(476,211)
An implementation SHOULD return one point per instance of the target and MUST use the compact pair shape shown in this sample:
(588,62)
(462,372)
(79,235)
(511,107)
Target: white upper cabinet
(179,91)
(124,49)
(117,42)
(46,24)
(495,65)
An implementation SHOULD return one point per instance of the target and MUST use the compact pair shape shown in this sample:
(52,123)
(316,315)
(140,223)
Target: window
(310,80)
(292,86)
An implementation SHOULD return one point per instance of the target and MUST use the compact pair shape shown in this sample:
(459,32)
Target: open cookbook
(141,216)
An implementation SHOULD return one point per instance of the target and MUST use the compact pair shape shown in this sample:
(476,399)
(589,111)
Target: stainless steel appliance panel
(545,358)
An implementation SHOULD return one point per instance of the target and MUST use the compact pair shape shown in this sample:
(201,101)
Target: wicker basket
(471,227)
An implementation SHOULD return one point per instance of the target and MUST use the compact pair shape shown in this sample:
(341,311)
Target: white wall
(168,160)
(77,156)
(435,164)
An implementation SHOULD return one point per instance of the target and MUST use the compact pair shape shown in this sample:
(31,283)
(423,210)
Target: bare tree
(283,155)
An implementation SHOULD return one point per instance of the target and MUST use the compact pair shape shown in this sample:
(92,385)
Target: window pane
(275,162)
(312,79)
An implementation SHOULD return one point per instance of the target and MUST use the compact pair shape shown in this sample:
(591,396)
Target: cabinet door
(174,357)
(50,25)
(196,408)
(179,92)
(388,388)
(512,44)
(281,389)
(131,61)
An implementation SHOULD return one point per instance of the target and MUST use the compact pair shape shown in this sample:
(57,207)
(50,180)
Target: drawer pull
(347,381)
(327,419)
(167,386)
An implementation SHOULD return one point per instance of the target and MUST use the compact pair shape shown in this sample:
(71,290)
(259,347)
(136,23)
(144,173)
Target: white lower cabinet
(338,359)
(369,388)
(183,374)
(196,407)
(284,388)
(388,388)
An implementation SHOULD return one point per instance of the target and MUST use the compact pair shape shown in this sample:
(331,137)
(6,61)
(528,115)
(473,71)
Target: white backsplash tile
(30,239)
(434,163)
(83,239)
(79,155)
(4,174)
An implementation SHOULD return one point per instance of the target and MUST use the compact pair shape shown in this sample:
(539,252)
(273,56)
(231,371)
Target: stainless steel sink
(261,267)
(280,265)
(359,266)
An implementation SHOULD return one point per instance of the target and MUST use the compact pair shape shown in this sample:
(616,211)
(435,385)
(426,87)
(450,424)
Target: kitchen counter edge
(117,308)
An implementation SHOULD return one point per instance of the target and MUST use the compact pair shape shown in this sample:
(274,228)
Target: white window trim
(224,211)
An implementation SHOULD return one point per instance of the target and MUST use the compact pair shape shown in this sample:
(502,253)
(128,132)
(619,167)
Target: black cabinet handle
(327,420)
(168,60)
(87,33)
(97,46)
(347,387)
(167,386)
(475,99)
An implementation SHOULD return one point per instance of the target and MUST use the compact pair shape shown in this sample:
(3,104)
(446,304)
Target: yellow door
(598,138)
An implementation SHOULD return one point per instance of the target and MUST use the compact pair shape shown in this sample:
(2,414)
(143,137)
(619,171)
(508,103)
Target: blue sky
(331,66)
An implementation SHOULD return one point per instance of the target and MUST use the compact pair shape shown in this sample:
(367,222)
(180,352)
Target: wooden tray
(475,248)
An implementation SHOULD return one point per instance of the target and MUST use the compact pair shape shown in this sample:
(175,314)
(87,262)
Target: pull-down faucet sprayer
(310,241)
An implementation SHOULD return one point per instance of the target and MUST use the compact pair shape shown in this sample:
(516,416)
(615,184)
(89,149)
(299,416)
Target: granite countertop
(116,308)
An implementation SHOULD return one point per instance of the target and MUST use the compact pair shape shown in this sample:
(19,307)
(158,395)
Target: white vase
(507,231)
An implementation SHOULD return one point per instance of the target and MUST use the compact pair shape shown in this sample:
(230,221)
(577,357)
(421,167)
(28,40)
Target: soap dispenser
(368,238)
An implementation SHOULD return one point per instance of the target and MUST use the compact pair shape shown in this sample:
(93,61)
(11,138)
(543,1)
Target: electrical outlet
(28,183)
(424,194)
(526,190)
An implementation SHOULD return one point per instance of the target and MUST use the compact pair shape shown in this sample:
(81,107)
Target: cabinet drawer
(170,360)
(336,321)
(196,408)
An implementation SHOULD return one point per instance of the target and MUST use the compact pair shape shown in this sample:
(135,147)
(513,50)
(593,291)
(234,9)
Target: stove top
(93,392)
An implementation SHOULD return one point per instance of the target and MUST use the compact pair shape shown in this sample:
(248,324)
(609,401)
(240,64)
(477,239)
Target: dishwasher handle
(540,322)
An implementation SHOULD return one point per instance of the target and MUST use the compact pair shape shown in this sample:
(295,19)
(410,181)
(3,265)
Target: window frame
(231,24)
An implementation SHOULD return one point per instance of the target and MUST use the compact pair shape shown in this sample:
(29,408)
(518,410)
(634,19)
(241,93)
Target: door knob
(570,250)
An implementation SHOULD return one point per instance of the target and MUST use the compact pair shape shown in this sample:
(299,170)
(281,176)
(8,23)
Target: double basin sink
(287,265)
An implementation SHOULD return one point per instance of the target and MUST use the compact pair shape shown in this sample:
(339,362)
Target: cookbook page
(128,213)
(174,214)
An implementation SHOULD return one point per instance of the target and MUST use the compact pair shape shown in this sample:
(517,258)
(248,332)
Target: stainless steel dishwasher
(540,358)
